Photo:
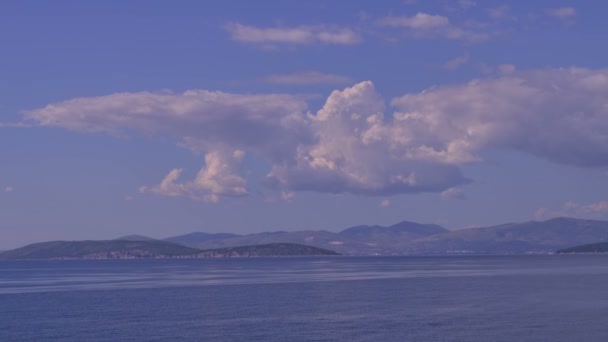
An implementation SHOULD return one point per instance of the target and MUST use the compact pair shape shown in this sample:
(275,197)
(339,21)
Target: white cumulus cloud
(556,114)
(355,143)
(452,193)
(357,151)
(419,21)
(218,178)
(424,25)
(298,35)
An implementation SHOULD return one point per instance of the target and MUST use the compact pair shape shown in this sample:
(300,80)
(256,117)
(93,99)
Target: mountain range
(410,238)
(403,238)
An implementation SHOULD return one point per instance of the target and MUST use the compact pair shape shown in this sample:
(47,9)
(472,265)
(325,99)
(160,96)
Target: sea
(459,298)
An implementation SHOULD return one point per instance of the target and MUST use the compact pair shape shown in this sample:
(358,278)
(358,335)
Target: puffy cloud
(214,122)
(420,21)
(452,193)
(168,186)
(9,188)
(358,151)
(562,12)
(354,144)
(217,179)
(557,114)
(573,209)
(287,196)
(292,35)
(307,78)
(429,25)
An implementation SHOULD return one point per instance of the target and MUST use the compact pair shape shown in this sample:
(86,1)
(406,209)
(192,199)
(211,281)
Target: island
(152,249)
(600,247)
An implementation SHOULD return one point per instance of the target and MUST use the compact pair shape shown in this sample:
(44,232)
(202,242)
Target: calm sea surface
(525,298)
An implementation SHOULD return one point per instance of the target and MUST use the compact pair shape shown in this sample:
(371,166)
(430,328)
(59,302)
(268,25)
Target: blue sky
(162,118)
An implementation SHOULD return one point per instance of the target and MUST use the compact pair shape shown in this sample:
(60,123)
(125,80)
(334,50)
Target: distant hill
(314,238)
(403,238)
(600,247)
(196,238)
(109,249)
(391,240)
(271,249)
(405,228)
(359,240)
(516,238)
(136,238)
(126,249)
(410,238)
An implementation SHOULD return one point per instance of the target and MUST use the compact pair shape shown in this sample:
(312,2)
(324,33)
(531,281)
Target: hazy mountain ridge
(410,238)
(358,240)
(517,238)
(200,237)
(404,238)
(136,237)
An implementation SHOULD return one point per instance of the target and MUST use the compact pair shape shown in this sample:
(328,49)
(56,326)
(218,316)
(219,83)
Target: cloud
(562,12)
(385,203)
(424,25)
(573,209)
(299,35)
(354,143)
(357,151)
(217,179)
(307,78)
(420,21)
(9,188)
(452,193)
(215,122)
(287,196)
(457,62)
(556,114)
(200,119)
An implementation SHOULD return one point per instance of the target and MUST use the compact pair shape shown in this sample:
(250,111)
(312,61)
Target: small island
(600,247)
(152,249)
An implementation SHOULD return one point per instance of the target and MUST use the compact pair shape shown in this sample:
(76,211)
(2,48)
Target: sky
(162,118)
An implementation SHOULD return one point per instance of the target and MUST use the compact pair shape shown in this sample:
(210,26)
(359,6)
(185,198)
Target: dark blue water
(531,298)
